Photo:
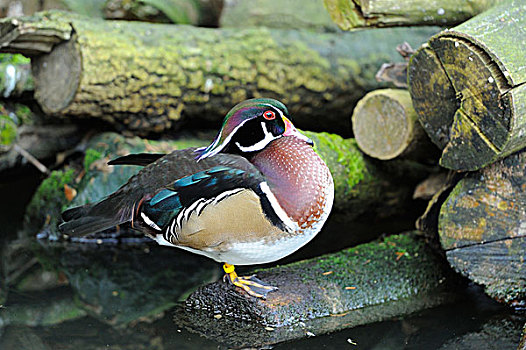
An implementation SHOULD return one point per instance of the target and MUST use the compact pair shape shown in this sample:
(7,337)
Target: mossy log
(292,14)
(467,86)
(350,14)
(203,13)
(481,227)
(148,76)
(385,126)
(368,283)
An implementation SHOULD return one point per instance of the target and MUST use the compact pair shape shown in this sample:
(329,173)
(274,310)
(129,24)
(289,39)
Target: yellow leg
(249,284)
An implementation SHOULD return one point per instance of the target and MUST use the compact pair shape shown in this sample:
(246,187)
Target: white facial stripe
(227,140)
(258,146)
(149,222)
(282,215)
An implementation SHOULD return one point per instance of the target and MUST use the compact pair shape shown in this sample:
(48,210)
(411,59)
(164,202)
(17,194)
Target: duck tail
(84,220)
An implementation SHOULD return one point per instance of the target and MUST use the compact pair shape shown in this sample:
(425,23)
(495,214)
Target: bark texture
(349,14)
(386,126)
(147,77)
(481,227)
(364,284)
(467,86)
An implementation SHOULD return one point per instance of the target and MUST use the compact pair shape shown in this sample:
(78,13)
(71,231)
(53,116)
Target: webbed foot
(250,284)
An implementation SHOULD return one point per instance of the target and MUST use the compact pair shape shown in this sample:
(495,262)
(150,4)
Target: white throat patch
(258,146)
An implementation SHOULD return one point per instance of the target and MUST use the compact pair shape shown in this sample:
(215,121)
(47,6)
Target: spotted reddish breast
(298,177)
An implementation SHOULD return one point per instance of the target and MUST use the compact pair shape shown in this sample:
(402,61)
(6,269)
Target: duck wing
(120,207)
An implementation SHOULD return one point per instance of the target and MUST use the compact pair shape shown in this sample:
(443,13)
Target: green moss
(24,114)
(8,131)
(14,58)
(91,156)
(349,168)
(49,200)
(52,189)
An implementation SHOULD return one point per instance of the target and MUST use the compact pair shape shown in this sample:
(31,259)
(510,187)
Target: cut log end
(57,76)
(383,124)
(468,93)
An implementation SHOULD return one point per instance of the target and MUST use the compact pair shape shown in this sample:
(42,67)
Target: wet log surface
(467,86)
(385,126)
(147,77)
(349,14)
(481,227)
(364,284)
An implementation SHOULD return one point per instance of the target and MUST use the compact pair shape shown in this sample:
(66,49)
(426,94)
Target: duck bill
(290,130)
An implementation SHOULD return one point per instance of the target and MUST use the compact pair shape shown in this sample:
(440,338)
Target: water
(90,296)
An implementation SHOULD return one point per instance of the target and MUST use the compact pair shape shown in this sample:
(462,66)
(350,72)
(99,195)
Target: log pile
(465,90)
(147,77)
(461,107)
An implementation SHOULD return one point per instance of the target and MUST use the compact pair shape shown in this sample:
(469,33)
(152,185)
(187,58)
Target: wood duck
(256,194)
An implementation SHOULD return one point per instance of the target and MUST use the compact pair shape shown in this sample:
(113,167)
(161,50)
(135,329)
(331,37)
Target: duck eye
(269,115)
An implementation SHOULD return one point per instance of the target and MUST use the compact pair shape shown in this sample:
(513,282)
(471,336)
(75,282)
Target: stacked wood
(467,87)
(203,13)
(368,283)
(146,77)
(350,14)
(385,126)
(481,228)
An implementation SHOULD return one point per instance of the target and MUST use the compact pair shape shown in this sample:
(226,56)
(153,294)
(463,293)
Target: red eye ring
(269,115)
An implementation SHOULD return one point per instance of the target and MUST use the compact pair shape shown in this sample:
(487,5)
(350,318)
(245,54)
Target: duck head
(250,126)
